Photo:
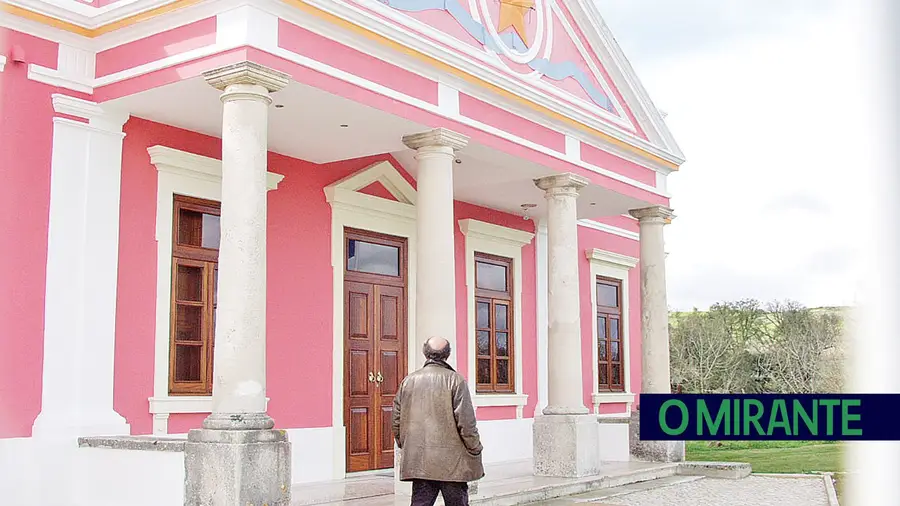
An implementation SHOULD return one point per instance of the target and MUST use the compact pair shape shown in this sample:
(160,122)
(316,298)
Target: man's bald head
(436,348)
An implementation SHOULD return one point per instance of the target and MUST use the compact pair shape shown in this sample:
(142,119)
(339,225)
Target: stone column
(236,458)
(435,249)
(655,376)
(566,437)
(435,234)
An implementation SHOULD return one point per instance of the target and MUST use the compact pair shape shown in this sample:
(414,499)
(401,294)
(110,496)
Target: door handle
(371,377)
(379,378)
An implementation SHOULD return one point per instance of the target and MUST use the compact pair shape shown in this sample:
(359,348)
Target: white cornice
(85,15)
(495,233)
(610,258)
(199,167)
(603,227)
(603,42)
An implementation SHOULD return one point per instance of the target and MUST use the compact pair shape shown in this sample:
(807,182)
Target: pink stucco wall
(589,239)
(299,318)
(26,137)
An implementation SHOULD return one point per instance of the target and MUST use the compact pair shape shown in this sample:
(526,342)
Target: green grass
(776,456)
(773,456)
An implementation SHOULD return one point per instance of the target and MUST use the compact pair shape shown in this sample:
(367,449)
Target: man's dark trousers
(425,492)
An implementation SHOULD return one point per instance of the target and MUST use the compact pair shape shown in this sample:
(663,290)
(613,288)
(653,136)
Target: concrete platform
(504,484)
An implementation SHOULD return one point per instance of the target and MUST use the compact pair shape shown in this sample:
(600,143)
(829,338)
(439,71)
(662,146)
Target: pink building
(334,181)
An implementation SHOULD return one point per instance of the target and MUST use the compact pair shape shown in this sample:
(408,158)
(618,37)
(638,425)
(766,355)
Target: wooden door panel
(390,347)
(359,362)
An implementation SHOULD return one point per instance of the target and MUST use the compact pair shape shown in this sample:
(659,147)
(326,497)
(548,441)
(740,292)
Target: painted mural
(520,33)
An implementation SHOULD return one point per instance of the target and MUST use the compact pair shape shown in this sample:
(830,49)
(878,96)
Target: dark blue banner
(772,417)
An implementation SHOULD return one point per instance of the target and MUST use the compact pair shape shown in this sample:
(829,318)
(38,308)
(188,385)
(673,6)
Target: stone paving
(750,491)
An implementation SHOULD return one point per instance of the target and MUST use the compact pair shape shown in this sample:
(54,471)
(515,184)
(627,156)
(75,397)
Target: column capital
(561,183)
(246,72)
(653,214)
(438,137)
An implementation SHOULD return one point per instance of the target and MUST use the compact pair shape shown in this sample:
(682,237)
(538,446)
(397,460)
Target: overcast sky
(762,96)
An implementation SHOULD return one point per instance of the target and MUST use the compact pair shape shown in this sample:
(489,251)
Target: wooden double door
(375,336)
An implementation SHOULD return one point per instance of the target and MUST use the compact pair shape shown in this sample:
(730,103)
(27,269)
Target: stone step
(600,496)
(536,493)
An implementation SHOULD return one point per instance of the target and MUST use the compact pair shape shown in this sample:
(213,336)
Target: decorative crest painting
(533,39)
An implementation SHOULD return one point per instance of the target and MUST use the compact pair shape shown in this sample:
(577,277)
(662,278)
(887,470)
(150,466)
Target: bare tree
(743,346)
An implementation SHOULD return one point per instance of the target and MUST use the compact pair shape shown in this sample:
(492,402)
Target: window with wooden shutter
(494,355)
(195,272)
(610,367)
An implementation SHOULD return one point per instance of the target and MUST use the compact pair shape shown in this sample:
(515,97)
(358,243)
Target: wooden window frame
(494,298)
(207,259)
(610,313)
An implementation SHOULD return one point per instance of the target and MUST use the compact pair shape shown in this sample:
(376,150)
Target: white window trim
(351,208)
(182,173)
(614,266)
(502,241)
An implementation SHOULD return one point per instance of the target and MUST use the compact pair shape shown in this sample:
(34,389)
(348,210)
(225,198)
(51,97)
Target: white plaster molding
(387,92)
(99,117)
(448,100)
(351,208)
(612,265)
(182,173)
(247,26)
(506,242)
(502,400)
(603,227)
(613,398)
(612,259)
(662,181)
(573,148)
(380,172)
(291,15)
(163,407)
(471,62)
(542,316)
(625,78)
(200,167)
(74,70)
(82,268)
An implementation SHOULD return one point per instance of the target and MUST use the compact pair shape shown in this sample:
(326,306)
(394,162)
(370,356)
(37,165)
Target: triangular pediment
(558,51)
(381,180)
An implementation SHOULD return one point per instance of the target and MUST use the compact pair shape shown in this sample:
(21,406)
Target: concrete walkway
(697,491)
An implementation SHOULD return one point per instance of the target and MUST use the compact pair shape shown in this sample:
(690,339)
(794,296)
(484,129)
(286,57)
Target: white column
(435,254)
(82,274)
(239,382)
(655,376)
(563,307)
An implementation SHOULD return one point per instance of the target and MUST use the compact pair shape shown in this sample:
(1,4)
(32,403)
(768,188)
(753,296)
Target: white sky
(764,98)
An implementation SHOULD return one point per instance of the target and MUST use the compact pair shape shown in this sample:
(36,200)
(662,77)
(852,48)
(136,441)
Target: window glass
(373,258)
(490,276)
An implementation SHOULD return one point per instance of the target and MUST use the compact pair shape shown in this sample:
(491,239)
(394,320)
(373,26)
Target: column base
(566,446)
(238,421)
(79,424)
(653,451)
(237,467)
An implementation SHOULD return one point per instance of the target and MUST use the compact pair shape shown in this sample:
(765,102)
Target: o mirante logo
(804,417)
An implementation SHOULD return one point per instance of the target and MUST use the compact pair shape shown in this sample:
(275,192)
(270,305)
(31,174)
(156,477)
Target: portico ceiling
(310,124)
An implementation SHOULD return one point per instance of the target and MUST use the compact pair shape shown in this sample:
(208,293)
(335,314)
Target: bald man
(434,426)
